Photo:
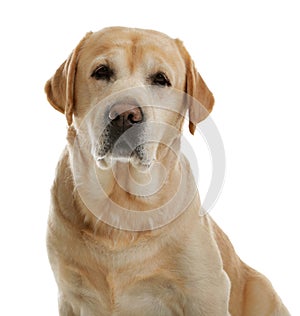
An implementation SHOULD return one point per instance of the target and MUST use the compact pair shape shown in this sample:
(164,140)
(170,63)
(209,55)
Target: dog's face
(124,74)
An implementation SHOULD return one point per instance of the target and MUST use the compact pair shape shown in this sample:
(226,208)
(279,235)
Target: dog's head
(124,73)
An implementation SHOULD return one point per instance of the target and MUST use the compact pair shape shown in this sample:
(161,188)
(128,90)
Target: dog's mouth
(124,136)
(117,145)
(137,158)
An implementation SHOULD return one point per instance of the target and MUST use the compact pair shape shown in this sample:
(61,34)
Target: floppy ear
(60,88)
(202,101)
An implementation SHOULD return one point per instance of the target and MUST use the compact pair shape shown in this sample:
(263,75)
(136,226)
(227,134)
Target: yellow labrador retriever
(125,235)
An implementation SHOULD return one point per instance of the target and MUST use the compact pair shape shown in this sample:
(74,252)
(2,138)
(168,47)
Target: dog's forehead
(134,42)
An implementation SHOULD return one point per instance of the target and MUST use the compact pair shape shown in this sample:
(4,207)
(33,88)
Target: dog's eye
(161,79)
(102,73)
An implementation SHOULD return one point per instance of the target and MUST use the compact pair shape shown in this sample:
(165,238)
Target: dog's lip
(142,166)
(105,162)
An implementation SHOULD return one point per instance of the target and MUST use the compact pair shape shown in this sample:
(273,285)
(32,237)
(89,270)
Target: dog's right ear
(60,88)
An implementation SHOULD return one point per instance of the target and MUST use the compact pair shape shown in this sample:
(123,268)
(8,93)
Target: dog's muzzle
(124,134)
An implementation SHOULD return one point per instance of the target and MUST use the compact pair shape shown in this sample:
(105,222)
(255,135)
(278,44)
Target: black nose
(123,115)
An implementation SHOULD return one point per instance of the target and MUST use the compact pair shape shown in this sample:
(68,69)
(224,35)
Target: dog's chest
(159,275)
(141,287)
(141,294)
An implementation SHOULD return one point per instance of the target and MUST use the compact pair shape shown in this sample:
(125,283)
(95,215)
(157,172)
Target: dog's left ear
(202,101)
(60,88)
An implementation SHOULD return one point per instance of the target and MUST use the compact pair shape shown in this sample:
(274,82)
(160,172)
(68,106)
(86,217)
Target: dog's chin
(108,161)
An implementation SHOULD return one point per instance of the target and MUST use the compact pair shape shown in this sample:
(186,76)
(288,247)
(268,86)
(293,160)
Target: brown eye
(161,79)
(102,72)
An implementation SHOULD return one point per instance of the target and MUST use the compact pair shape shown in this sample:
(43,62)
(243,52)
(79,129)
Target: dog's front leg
(65,309)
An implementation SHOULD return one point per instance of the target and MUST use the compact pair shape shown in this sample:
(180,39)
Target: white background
(247,52)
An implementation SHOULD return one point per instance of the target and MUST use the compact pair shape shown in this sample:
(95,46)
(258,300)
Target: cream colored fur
(187,267)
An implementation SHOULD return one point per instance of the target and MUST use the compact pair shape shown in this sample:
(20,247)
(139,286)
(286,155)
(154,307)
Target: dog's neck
(116,195)
(139,189)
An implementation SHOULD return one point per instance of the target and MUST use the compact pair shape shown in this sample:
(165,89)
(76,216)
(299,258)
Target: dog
(125,234)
